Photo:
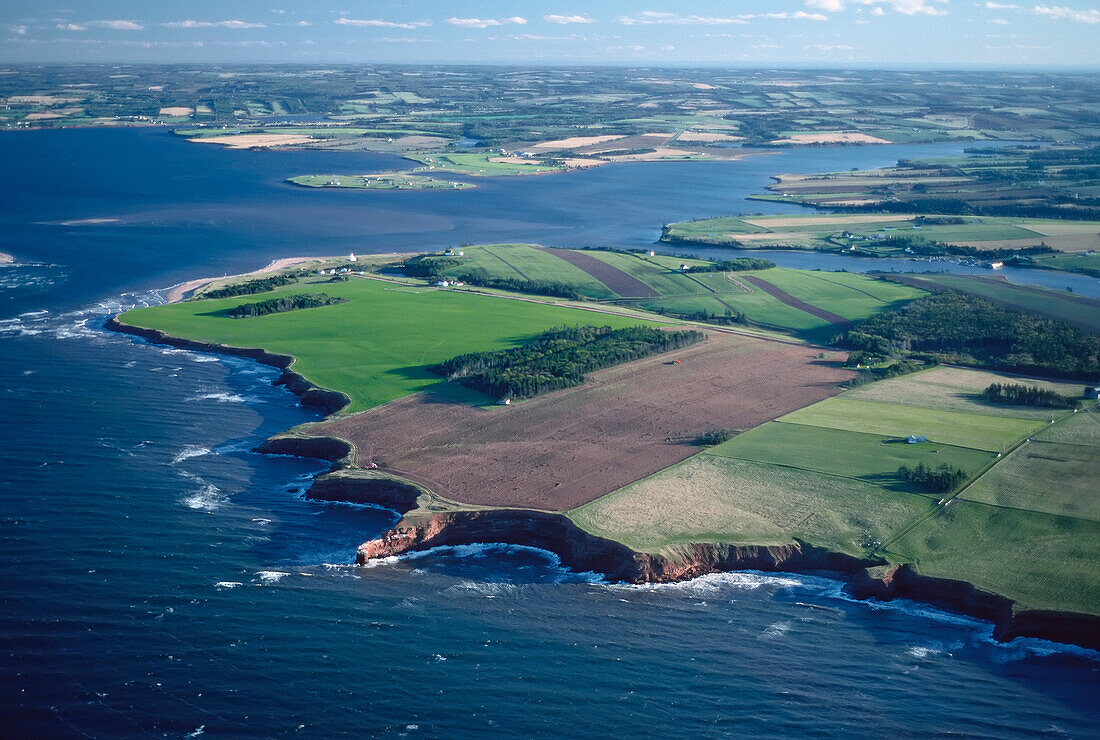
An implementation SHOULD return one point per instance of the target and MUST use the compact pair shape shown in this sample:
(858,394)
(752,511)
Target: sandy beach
(184,290)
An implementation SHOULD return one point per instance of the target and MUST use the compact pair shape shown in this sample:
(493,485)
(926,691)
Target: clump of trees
(942,479)
(1018,394)
(715,437)
(559,358)
(436,267)
(968,330)
(263,285)
(282,304)
(735,265)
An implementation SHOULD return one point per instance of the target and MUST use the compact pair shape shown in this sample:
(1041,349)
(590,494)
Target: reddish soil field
(790,300)
(561,450)
(617,281)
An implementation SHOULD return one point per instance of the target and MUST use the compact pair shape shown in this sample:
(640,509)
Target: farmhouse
(1092,391)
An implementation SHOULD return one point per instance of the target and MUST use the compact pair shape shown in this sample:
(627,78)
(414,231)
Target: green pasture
(526,262)
(976,431)
(850,454)
(1058,472)
(378,345)
(479,164)
(959,389)
(394,181)
(1076,310)
(1039,560)
(711,498)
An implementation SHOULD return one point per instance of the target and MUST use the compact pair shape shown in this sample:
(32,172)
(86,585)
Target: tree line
(942,479)
(967,330)
(282,304)
(739,264)
(263,285)
(559,358)
(1017,394)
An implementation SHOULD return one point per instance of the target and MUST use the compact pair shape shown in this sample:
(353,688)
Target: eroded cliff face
(582,551)
(310,395)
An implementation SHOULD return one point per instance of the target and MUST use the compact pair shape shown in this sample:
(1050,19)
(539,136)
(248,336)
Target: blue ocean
(160,579)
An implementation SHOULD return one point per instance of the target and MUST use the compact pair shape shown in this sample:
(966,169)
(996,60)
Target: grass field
(480,164)
(1038,560)
(977,431)
(854,455)
(1051,476)
(378,345)
(526,262)
(1027,528)
(670,290)
(394,181)
(959,389)
(711,498)
(863,233)
(1076,310)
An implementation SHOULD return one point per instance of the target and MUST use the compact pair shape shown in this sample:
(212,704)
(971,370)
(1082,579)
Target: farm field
(1048,475)
(711,498)
(810,304)
(378,345)
(563,449)
(394,181)
(1039,560)
(977,431)
(959,389)
(1075,310)
(775,484)
(871,234)
(871,457)
(483,165)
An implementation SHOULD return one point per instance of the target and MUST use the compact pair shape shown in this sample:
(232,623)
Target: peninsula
(663,466)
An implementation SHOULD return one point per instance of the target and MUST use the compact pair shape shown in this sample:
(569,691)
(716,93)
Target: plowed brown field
(561,450)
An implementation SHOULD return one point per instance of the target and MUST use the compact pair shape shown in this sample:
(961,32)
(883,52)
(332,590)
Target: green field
(1026,528)
(849,295)
(1075,310)
(853,454)
(959,389)
(977,431)
(480,165)
(394,181)
(711,498)
(1036,559)
(525,262)
(378,345)
(1051,476)
(862,233)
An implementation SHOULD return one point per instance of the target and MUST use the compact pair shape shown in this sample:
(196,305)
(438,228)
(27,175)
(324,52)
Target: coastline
(429,521)
(185,290)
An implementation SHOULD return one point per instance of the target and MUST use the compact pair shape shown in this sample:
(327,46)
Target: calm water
(158,579)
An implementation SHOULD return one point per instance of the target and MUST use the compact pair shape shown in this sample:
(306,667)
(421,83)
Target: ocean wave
(715,583)
(207,498)
(488,589)
(776,630)
(268,577)
(227,584)
(189,452)
(222,397)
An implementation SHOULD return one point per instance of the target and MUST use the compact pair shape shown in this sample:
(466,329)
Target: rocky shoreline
(422,529)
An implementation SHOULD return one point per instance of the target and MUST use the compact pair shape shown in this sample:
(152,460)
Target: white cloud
(652,17)
(213,24)
(567,19)
(118,25)
(1067,14)
(1001,6)
(485,22)
(71,27)
(905,7)
(375,23)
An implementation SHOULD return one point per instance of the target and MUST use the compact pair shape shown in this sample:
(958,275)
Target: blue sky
(827,33)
